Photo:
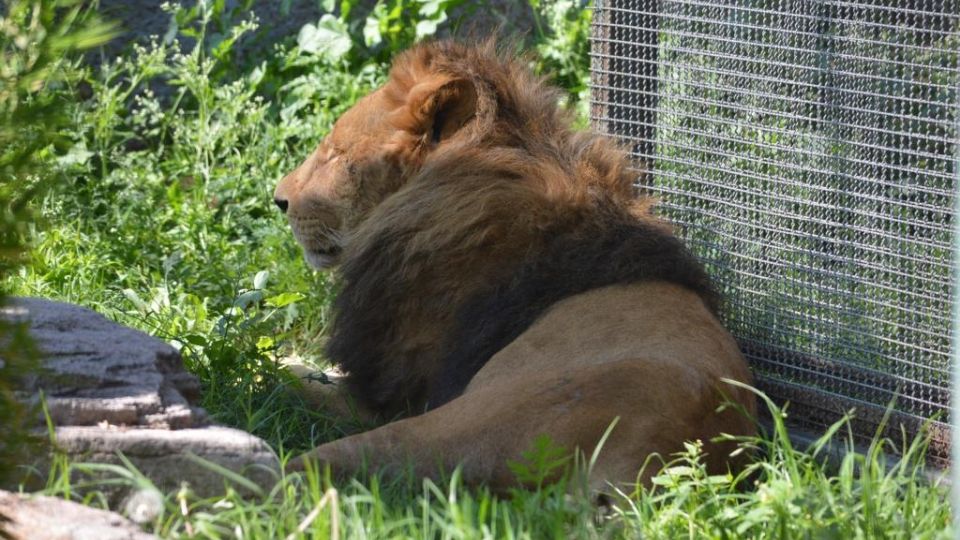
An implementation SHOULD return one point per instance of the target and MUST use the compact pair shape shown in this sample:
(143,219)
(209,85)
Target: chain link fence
(807,151)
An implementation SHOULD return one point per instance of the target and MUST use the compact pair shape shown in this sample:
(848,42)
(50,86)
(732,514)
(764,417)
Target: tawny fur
(446,183)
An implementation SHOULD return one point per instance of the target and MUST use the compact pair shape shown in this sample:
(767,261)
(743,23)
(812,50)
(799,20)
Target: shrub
(38,39)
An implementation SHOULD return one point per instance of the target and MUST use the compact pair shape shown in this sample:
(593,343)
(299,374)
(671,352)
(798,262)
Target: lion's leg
(326,390)
(486,428)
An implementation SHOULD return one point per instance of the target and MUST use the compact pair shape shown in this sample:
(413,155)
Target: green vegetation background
(143,188)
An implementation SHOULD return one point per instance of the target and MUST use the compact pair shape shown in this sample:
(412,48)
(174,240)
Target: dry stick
(185,510)
(330,496)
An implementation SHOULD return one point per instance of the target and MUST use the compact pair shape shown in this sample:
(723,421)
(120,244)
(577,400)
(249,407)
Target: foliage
(543,462)
(36,40)
(389,27)
(165,220)
(562,43)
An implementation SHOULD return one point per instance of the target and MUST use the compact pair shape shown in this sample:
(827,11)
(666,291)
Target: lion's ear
(442,106)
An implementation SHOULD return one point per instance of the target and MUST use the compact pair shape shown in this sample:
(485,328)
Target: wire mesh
(807,151)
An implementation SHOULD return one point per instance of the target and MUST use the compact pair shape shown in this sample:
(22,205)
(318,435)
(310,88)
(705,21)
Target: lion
(503,280)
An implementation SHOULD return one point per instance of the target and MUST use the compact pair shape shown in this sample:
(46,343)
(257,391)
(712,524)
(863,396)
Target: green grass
(784,493)
(160,216)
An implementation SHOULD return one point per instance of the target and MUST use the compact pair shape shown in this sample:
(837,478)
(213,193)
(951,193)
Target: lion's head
(377,146)
(439,190)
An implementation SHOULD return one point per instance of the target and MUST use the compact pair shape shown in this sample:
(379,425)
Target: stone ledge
(167,457)
(95,370)
(36,517)
(112,390)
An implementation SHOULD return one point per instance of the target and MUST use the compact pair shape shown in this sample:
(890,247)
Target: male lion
(501,281)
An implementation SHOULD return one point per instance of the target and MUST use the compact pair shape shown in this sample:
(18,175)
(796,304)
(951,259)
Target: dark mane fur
(615,250)
(509,217)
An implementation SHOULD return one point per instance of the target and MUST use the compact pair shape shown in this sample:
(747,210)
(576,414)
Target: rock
(24,517)
(98,371)
(169,457)
(112,390)
(143,506)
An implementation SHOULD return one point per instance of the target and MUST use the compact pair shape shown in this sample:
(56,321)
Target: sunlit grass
(785,493)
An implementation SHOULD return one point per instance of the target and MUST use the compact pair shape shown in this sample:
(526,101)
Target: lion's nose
(282,204)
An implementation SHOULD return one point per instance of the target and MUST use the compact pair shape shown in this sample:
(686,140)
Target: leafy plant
(37,39)
(389,27)
(394,25)
(165,215)
(543,462)
(562,44)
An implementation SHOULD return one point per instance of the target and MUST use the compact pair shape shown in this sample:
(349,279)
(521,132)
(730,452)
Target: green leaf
(195,339)
(371,32)
(346,6)
(426,28)
(265,343)
(679,471)
(260,280)
(430,8)
(248,298)
(284,299)
(172,30)
(542,460)
(77,155)
(135,299)
(329,38)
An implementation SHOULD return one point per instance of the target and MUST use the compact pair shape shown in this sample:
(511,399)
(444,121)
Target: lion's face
(370,153)
(339,181)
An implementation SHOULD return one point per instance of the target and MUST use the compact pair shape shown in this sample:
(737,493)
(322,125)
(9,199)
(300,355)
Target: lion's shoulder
(416,320)
(603,253)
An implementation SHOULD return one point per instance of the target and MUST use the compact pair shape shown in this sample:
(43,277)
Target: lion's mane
(488,233)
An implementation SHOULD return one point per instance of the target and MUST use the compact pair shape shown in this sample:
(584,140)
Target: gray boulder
(111,391)
(24,517)
(97,371)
